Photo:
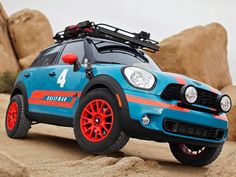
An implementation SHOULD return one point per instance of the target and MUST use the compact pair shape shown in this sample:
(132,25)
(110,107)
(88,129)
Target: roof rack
(138,40)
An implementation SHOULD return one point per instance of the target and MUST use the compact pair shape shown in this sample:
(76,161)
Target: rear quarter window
(47,57)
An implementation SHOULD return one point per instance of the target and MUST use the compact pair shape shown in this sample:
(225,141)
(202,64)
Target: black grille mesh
(193,130)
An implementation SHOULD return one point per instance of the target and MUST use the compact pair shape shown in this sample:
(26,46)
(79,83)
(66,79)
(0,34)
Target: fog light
(224,103)
(146,120)
(188,94)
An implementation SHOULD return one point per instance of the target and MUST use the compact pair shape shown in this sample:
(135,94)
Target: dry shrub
(7,80)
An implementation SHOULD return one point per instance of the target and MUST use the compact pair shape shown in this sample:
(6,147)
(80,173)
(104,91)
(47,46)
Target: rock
(8,60)
(30,32)
(231,91)
(199,52)
(11,168)
(224,167)
(27,61)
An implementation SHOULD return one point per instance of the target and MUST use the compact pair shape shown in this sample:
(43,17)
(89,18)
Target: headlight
(139,77)
(189,94)
(225,103)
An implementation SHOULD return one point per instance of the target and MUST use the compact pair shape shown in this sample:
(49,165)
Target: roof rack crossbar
(138,40)
(135,41)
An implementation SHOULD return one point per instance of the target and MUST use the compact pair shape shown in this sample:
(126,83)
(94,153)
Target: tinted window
(47,57)
(75,48)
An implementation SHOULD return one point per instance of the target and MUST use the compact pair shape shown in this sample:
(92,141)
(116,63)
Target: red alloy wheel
(12,115)
(96,120)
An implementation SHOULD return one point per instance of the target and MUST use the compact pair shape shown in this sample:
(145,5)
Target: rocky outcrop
(22,36)
(198,52)
(30,32)
(11,168)
(8,60)
(231,91)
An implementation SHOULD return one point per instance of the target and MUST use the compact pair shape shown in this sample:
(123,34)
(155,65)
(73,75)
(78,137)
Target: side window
(75,48)
(38,60)
(47,57)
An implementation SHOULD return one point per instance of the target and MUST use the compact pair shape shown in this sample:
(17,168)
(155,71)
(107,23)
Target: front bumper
(141,104)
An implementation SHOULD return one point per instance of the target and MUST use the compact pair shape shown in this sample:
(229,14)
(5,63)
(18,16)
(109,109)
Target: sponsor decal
(65,99)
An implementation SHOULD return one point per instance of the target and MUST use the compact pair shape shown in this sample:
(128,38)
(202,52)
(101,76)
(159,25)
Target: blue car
(97,79)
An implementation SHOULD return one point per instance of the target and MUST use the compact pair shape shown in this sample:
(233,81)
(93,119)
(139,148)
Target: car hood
(166,78)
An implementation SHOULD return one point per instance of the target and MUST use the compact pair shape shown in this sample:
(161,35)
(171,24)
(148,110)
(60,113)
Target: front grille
(171,92)
(193,130)
(205,97)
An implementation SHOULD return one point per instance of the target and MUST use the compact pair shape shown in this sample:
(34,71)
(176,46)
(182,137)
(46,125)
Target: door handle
(52,74)
(27,75)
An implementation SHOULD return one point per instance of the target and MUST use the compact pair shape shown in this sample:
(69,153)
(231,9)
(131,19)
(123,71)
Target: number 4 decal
(62,78)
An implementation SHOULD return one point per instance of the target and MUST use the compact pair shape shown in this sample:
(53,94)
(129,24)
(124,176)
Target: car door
(41,76)
(69,83)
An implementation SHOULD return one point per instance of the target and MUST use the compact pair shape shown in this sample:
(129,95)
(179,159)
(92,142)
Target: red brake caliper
(12,115)
(96,120)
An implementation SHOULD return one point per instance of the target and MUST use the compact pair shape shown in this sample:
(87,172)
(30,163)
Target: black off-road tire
(22,124)
(115,140)
(207,156)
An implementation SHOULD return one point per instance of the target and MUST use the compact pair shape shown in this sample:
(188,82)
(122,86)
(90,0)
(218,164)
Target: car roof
(93,38)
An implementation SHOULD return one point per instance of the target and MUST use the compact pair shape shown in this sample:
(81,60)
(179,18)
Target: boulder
(231,91)
(199,52)
(224,167)
(30,32)
(11,168)
(27,61)
(8,60)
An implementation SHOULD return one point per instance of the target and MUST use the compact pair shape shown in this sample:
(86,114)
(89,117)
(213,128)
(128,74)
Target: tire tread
(208,157)
(24,124)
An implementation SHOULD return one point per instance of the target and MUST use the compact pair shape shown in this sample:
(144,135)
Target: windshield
(115,53)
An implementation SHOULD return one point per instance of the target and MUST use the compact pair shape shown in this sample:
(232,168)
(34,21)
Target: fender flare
(111,84)
(19,87)
(114,87)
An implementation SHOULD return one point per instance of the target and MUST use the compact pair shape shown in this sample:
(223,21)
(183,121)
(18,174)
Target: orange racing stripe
(178,78)
(220,117)
(53,103)
(37,97)
(39,94)
(141,100)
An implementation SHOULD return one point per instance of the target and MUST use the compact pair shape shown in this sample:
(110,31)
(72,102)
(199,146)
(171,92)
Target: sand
(52,151)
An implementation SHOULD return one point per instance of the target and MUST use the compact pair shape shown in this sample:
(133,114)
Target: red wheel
(16,124)
(12,115)
(97,119)
(96,124)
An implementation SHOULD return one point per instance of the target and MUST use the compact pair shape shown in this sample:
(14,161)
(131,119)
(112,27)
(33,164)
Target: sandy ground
(52,151)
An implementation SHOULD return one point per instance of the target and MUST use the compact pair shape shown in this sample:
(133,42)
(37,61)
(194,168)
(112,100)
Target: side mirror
(71,59)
